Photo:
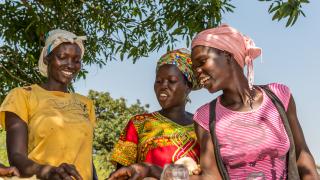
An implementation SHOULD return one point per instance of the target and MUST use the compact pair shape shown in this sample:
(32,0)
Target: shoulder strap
(293,172)
(274,98)
(212,123)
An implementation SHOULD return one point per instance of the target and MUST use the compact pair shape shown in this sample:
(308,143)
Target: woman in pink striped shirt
(251,139)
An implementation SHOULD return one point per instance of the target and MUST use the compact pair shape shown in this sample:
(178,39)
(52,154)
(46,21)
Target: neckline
(55,93)
(163,118)
(264,97)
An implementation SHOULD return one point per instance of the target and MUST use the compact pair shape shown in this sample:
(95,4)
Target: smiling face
(171,87)
(212,67)
(64,63)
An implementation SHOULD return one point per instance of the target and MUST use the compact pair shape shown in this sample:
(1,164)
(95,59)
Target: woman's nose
(70,63)
(198,71)
(164,84)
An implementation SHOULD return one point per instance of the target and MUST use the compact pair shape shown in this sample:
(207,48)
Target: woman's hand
(196,171)
(63,172)
(8,171)
(135,172)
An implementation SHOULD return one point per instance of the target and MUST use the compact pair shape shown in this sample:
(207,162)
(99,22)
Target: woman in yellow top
(49,129)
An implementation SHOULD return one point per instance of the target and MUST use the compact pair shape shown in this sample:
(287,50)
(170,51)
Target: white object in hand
(174,172)
(189,163)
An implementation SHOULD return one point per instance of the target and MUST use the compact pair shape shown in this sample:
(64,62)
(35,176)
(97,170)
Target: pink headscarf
(227,38)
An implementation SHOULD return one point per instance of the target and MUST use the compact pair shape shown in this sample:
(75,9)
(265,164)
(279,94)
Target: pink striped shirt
(253,144)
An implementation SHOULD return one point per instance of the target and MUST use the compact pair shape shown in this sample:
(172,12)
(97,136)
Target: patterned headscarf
(53,39)
(227,38)
(182,59)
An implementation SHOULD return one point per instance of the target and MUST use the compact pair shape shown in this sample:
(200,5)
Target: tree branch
(14,77)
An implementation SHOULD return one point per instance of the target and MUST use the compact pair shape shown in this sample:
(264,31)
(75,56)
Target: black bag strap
(293,172)
(212,123)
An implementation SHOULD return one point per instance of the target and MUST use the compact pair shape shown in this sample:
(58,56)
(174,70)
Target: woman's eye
(77,59)
(60,57)
(202,62)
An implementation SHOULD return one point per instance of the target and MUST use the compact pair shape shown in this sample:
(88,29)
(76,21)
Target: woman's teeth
(203,80)
(67,73)
(163,95)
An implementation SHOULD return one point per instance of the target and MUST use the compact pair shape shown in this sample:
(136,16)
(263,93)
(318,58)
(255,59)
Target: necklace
(252,94)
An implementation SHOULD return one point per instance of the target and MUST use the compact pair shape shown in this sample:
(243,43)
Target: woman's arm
(305,161)
(209,169)
(17,144)
(17,147)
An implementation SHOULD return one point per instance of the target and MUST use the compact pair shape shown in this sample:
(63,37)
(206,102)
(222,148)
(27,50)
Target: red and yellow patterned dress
(154,139)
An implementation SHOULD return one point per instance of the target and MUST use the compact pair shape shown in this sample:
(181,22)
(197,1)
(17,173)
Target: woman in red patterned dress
(152,140)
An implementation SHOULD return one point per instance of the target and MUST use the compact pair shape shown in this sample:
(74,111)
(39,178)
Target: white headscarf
(53,39)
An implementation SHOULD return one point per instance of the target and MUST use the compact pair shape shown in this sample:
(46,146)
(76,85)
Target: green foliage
(112,116)
(290,9)
(115,28)
(103,165)
(3,149)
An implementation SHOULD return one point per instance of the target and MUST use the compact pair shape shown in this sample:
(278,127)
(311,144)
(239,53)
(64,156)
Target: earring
(188,100)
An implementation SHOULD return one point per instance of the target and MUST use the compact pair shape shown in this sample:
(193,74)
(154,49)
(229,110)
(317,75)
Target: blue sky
(290,56)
